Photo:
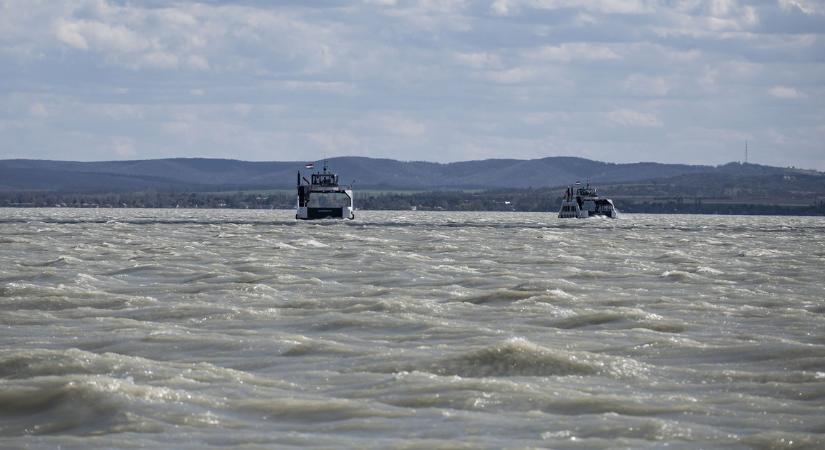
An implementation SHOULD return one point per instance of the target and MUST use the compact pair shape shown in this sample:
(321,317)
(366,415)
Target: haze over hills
(200,174)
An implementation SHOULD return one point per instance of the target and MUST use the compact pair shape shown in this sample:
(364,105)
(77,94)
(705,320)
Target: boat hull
(324,213)
(570,209)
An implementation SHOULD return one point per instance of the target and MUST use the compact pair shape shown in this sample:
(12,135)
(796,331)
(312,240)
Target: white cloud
(381,2)
(38,110)
(501,7)
(195,36)
(478,59)
(123,147)
(632,118)
(809,7)
(512,76)
(69,33)
(198,62)
(331,87)
(545,118)
(334,141)
(157,60)
(83,34)
(432,16)
(576,51)
(646,85)
(784,92)
(505,7)
(381,77)
(404,126)
(393,123)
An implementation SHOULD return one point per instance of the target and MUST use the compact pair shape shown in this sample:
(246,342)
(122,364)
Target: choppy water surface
(186,329)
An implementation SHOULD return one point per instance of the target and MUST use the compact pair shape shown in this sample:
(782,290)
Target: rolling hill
(201,175)
(495,184)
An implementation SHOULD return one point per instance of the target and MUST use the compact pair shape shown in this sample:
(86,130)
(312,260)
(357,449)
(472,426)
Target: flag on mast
(310,165)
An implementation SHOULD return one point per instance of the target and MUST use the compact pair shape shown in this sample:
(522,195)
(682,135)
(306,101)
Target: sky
(435,80)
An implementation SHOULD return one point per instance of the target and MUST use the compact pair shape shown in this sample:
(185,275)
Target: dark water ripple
(187,328)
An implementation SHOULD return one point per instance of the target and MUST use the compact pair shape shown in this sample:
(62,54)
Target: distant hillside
(202,175)
(727,184)
(491,185)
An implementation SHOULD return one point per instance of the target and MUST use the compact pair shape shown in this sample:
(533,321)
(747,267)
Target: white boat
(321,197)
(581,202)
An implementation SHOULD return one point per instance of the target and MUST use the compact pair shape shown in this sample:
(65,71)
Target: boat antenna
(746,152)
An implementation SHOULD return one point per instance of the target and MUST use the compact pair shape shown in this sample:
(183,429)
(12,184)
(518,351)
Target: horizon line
(399,160)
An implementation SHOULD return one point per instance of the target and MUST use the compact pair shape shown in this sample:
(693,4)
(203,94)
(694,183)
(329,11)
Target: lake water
(196,328)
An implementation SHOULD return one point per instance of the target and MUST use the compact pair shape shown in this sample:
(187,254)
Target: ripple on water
(161,328)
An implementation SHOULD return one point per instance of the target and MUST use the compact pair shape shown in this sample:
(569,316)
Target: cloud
(38,110)
(122,45)
(331,87)
(442,80)
(401,126)
(784,92)
(123,147)
(69,33)
(512,76)
(646,85)
(506,7)
(478,59)
(158,60)
(631,118)
(810,7)
(574,51)
(192,36)
(502,7)
(545,118)
(381,2)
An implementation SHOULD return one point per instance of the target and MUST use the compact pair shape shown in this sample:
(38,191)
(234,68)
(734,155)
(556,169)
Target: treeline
(676,207)
(535,200)
(548,200)
(150,199)
(497,200)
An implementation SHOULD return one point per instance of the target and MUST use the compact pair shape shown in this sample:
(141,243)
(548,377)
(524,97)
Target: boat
(581,202)
(321,197)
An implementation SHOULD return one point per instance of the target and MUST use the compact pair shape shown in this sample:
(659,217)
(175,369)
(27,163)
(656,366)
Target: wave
(24,296)
(150,268)
(36,364)
(22,364)
(314,409)
(763,253)
(617,319)
(82,405)
(499,296)
(318,347)
(516,357)
(615,404)
(589,319)
(519,357)
(60,261)
(708,270)
(311,243)
(780,439)
(680,275)
(676,257)
(633,333)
